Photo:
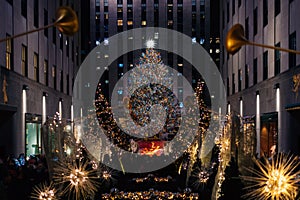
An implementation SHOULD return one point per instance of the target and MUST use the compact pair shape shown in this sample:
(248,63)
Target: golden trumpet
(235,39)
(66,22)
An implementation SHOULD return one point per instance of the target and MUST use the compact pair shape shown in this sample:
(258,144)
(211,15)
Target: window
(170,14)
(73,49)
(233,83)
(54,76)
(265,12)
(36,13)
(240,78)
(239,3)
(255,21)
(46,74)
(277,7)
(228,12)
(129,1)
(45,22)
(277,60)
(10,2)
(53,33)
(292,45)
(61,81)
(61,41)
(223,19)
(9,55)
(247,28)
(24,66)
(179,19)
(144,23)
(24,8)
(120,13)
(68,84)
(233,7)
(228,86)
(143,13)
(67,46)
(120,22)
(246,76)
(156,13)
(255,71)
(265,65)
(33,137)
(36,67)
(129,13)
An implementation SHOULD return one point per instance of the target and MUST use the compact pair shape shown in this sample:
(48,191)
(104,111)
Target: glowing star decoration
(150,44)
(200,178)
(44,192)
(81,180)
(278,179)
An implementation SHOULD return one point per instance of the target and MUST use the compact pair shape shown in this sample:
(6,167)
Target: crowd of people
(19,175)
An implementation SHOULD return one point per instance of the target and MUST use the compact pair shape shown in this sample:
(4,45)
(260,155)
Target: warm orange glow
(154,149)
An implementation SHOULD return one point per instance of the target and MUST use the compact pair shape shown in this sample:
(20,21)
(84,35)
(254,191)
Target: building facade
(262,84)
(106,18)
(36,73)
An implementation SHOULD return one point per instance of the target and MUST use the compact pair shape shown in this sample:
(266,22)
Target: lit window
(170,22)
(35,67)
(120,22)
(180,64)
(202,40)
(130,23)
(121,65)
(8,54)
(217,50)
(194,40)
(24,60)
(144,23)
(210,50)
(46,72)
(106,41)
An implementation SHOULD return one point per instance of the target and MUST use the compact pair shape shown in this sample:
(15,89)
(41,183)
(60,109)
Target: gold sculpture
(66,22)
(4,88)
(296,80)
(235,39)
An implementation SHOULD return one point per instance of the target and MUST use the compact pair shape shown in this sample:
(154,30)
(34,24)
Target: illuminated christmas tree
(150,69)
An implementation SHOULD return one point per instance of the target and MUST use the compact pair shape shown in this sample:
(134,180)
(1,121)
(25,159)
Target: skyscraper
(192,17)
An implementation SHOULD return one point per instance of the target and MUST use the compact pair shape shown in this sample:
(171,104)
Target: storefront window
(33,134)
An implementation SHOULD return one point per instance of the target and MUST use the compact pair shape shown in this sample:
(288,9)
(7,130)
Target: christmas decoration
(43,191)
(77,180)
(275,179)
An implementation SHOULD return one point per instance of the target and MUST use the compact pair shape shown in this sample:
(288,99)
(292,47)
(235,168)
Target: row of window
(292,63)
(36,75)
(170,22)
(277,10)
